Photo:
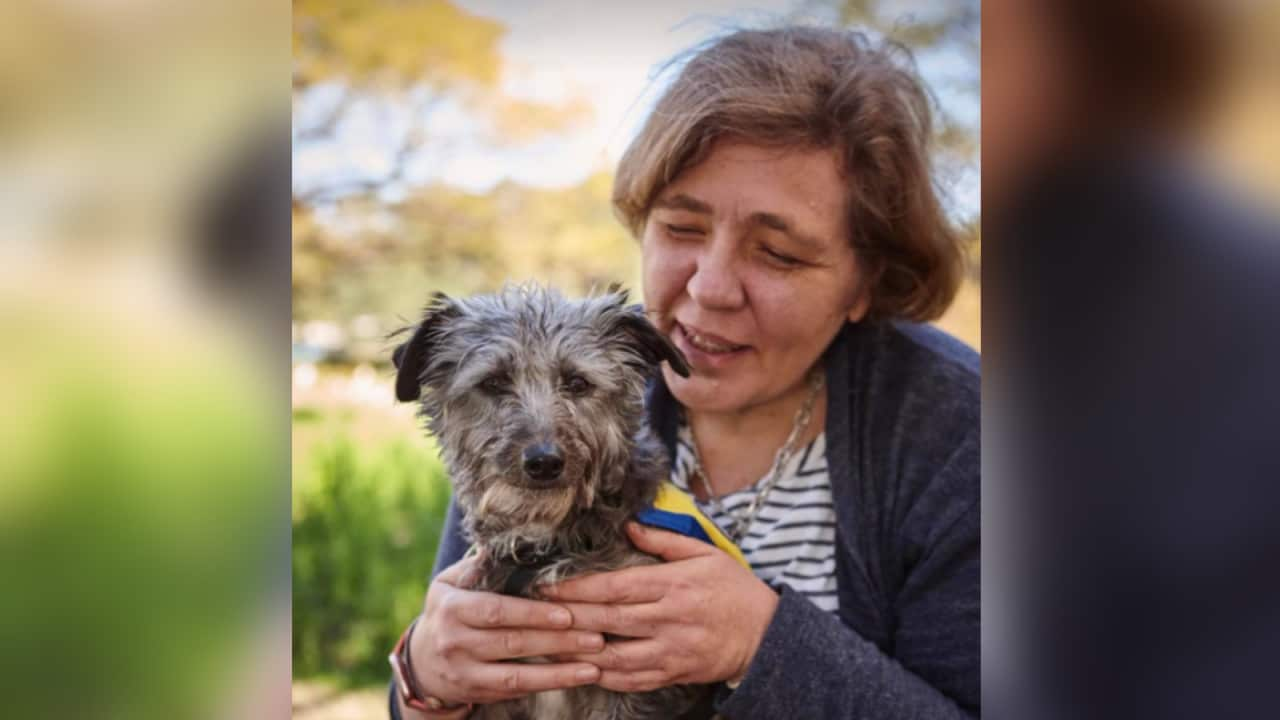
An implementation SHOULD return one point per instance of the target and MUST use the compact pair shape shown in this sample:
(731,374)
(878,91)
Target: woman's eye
(781,259)
(576,385)
(683,230)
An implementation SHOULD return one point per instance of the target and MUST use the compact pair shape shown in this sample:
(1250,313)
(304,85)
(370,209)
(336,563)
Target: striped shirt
(791,542)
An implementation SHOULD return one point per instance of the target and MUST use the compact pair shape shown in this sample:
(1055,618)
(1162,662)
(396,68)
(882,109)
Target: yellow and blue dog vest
(672,510)
(675,511)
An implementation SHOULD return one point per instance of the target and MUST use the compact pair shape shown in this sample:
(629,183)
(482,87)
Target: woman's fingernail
(591,642)
(561,617)
(587,674)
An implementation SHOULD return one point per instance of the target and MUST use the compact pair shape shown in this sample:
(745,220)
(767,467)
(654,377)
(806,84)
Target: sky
(557,50)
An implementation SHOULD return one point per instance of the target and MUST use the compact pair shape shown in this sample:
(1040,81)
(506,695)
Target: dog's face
(536,401)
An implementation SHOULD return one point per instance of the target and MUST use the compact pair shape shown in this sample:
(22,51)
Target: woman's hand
(698,618)
(459,645)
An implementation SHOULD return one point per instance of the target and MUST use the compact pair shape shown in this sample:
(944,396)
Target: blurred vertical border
(144,181)
(1132,277)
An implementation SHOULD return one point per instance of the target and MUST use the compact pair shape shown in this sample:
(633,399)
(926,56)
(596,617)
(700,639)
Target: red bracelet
(410,693)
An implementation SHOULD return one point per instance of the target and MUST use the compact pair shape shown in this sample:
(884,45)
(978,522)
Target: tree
(941,22)
(404,59)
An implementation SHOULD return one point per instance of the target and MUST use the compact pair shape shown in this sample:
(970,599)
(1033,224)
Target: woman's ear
(865,280)
(410,357)
(860,306)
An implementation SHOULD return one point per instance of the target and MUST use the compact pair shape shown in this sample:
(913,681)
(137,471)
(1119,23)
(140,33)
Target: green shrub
(366,523)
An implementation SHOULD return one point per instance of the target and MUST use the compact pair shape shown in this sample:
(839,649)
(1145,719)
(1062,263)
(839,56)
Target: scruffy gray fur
(537,402)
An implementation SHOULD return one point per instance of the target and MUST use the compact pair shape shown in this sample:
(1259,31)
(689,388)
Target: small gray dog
(538,405)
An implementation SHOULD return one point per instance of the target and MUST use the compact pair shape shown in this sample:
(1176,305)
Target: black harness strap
(526,570)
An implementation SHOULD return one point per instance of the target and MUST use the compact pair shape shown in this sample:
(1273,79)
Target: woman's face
(749,270)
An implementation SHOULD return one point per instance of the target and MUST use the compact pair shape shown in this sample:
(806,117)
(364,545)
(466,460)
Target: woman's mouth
(712,346)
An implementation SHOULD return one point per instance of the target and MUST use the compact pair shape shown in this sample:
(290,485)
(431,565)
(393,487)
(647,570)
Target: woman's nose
(715,283)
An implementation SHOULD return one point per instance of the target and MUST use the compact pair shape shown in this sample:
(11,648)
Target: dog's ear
(410,357)
(653,346)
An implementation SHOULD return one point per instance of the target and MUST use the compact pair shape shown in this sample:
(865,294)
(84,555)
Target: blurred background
(456,146)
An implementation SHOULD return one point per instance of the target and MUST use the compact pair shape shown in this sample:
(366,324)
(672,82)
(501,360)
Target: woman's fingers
(507,644)
(630,682)
(489,610)
(463,573)
(626,655)
(667,545)
(455,573)
(632,585)
(510,680)
(637,621)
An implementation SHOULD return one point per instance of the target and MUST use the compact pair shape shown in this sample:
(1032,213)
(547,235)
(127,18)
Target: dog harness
(675,511)
(524,573)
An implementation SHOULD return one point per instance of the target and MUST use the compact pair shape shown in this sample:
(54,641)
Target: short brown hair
(815,88)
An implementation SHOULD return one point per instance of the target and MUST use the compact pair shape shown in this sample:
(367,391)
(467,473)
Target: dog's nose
(542,462)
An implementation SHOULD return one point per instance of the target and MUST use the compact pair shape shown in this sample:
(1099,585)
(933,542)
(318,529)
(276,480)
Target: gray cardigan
(903,451)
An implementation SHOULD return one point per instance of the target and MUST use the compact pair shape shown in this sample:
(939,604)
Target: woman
(791,237)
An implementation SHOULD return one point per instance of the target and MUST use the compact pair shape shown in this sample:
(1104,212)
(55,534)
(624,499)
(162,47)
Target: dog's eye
(576,385)
(494,384)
